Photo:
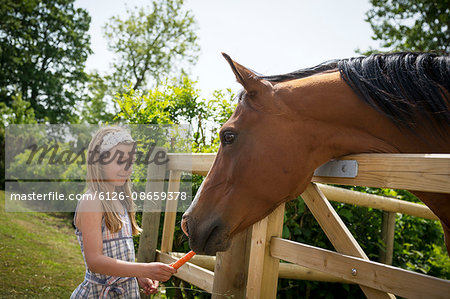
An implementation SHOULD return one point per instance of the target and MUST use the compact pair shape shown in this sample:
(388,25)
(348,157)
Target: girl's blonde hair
(96,182)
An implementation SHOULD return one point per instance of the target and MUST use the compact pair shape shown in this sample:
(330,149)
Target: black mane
(323,67)
(405,87)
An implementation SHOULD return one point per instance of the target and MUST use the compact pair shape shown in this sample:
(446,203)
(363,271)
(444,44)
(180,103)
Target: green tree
(19,112)
(151,43)
(177,101)
(97,107)
(43,49)
(413,25)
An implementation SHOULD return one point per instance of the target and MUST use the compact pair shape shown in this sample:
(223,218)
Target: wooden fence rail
(286,271)
(260,247)
(371,274)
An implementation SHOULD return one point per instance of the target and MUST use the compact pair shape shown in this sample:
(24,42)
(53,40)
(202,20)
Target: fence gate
(251,267)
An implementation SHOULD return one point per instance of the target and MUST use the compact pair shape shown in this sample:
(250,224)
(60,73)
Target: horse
(286,126)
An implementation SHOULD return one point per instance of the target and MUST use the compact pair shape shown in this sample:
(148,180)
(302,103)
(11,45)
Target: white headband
(110,140)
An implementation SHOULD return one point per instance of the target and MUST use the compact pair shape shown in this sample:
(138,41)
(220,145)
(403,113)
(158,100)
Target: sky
(270,37)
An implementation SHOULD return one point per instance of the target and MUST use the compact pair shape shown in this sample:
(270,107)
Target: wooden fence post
(263,268)
(231,268)
(148,239)
(171,212)
(387,235)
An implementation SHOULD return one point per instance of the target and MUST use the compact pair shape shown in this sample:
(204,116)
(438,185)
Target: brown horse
(286,126)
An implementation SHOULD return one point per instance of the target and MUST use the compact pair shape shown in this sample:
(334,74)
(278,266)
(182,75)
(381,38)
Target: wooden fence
(251,267)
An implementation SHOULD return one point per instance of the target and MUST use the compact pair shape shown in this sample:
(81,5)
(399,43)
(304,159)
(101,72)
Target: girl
(104,228)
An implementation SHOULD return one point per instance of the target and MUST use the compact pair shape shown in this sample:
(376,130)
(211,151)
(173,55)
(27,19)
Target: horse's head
(286,126)
(258,166)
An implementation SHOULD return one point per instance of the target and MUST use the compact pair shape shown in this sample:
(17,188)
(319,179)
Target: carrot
(183,260)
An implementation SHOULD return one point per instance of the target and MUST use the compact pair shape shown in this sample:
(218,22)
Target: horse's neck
(345,124)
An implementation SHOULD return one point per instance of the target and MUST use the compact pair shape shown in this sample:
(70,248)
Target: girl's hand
(149,286)
(159,271)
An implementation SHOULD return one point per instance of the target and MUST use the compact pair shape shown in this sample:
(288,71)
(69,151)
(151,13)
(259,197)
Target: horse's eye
(228,137)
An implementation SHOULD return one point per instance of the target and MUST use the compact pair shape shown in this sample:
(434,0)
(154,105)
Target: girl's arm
(89,223)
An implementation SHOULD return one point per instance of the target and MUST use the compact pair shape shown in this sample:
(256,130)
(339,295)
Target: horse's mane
(323,67)
(405,87)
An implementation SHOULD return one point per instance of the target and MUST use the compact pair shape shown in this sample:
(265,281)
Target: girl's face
(118,167)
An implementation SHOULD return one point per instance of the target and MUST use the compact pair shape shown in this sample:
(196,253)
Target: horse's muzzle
(206,237)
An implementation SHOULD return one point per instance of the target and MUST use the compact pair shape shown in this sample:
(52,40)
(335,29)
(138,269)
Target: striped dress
(118,246)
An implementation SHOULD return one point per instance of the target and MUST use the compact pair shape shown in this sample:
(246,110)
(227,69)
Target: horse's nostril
(184,226)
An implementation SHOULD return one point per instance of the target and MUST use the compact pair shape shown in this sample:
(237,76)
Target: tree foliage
(413,25)
(43,49)
(151,43)
(178,101)
(19,112)
(97,107)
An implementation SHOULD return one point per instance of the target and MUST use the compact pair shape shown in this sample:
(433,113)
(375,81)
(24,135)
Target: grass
(39,255)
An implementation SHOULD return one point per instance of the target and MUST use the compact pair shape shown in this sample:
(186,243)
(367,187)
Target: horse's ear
(244,76)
